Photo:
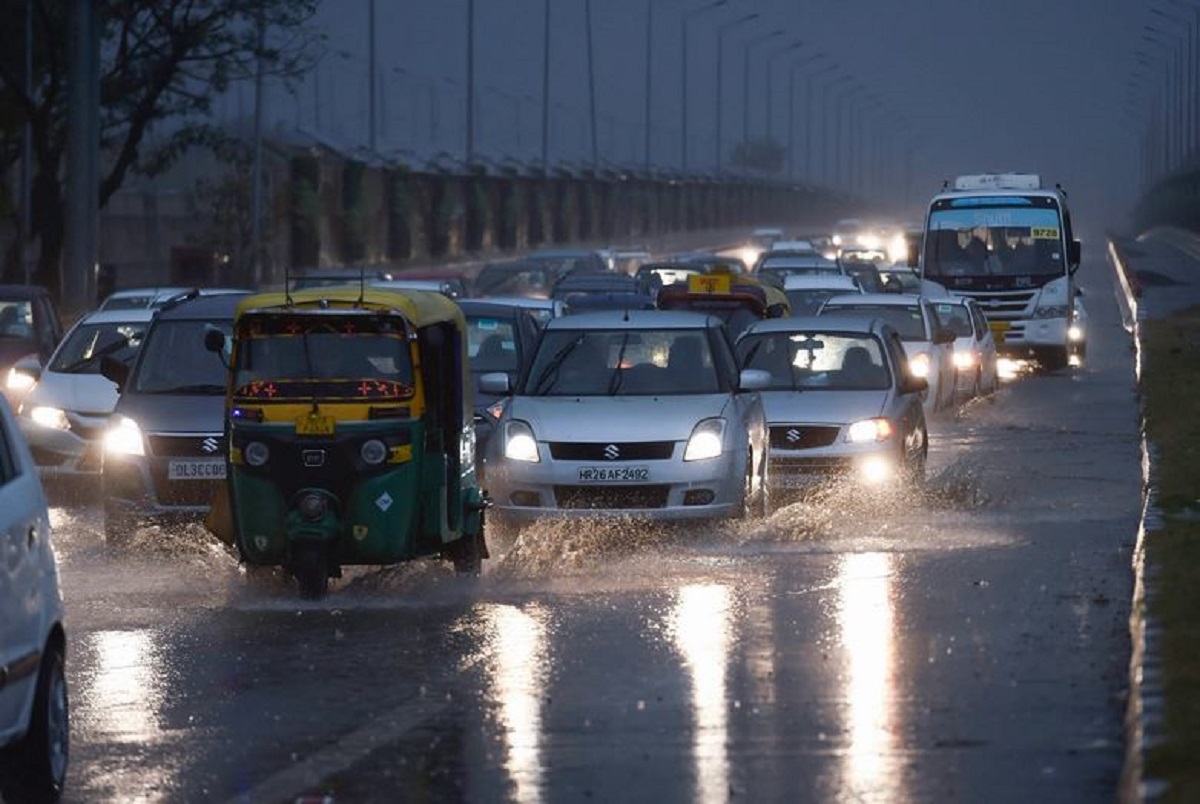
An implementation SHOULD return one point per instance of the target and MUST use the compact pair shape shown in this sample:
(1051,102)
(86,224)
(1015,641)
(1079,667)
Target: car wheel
(468,553)
(35,769)
(310,571)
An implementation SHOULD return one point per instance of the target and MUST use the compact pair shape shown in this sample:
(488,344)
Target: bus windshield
(1000,241)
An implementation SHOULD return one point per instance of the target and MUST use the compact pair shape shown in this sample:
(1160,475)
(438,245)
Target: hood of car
(82,393)
(175,413)
(822,407)
(608,418)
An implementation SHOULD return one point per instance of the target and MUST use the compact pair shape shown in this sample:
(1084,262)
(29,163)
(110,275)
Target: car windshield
(325,356)
(174,360)
(87,343)
(815,360)
(905,319)
(627,362)
(994,241)
(16,319)
(956,318)
(129,302)
(491,344)
(807,302)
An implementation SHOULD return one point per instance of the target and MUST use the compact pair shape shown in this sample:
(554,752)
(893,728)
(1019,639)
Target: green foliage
(305,210)
(354,212)
(1173,201)
(400,209)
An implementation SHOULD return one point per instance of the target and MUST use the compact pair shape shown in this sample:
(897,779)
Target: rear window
(906,320)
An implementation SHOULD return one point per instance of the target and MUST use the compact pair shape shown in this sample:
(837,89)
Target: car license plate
(314,424)
(998,329)
(614,474)
(199,469)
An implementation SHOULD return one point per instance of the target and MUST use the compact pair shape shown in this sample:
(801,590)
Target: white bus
(1005,241)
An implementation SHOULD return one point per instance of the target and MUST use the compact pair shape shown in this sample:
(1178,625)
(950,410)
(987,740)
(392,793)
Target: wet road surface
(971,644)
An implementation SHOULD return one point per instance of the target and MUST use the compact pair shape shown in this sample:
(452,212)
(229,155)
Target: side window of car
(980,323)
(897,355)
(8,460)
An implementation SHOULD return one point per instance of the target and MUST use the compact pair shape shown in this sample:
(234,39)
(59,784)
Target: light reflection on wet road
(969,645)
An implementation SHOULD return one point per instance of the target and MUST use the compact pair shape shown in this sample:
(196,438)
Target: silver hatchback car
(630,413)
(842,402)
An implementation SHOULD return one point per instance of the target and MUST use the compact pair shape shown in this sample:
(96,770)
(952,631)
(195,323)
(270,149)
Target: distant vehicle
(865,274)
(564,261)
(65,414)
(975,360)
(34,715)
(165,447)
(793,245)
(542,310)
(627,259)
(655,275)
(153,298)
(29,328)
(641,414)
(794,263)
(447,289)
(928,344)
(764,237)
(452,276)
(520,278)
(735,299)
(709,260)
(841,402)
(332,277)
(876,256)
(899,279)
(807,292)
(577,283)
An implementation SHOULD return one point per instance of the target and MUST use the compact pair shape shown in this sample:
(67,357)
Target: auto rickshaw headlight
(313,506)
(256,453)
(373,452)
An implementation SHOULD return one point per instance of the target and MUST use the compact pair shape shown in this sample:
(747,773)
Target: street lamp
(470,150)
(721,31)
(1150,63)
(791,135)
(771,59)
(808,118)
(841,79)
(1193,70)
(1175,40)
(683,129)
(758,40)
(856,90)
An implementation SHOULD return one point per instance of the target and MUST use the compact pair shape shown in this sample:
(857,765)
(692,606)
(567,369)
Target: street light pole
(746,80)
(825,168)
(791,128)
(721,31)
(371,89)
(1176,43)
(591,62)
(808,117)
(683,129)
(839,176)
(649,86)
(546,87)
(470,83)
(771,85)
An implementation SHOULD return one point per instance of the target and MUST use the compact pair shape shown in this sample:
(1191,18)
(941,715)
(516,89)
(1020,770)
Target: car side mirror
(944,336)
(214,341)
(753,379)
(114,370)
(776,311)
(495,382)
(1074,252)
(915,385)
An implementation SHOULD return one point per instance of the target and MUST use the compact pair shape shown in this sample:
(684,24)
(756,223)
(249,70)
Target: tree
(764,155)
(163,63)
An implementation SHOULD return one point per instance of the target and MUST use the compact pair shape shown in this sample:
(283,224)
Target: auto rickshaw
(350,432)
(736,299)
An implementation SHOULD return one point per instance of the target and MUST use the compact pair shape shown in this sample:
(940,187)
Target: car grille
(1004,305)
(802,436)
(612,451)
(612,497)
(189,446)
(811,465)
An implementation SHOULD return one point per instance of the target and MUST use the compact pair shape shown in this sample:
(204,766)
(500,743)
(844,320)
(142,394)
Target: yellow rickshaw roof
(419,307)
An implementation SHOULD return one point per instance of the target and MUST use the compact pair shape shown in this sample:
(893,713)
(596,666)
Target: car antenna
(362,284)
(287,283)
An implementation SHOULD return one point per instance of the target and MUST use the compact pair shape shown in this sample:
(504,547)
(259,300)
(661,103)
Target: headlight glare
(19,380)
(869,430)
(124,437)
(519,443)
(964,360)
(1075,333)
(50,418)
(707,440)
(918,364)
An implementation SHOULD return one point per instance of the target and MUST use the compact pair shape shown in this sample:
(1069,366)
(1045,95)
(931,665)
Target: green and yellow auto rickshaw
(351,440)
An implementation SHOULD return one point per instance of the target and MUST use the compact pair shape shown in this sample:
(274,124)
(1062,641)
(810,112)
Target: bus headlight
(1075,333)
(519,443)
(707,440)
(124,437)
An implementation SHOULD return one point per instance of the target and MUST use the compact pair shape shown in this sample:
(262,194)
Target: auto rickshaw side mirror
(495,382)
(113,369)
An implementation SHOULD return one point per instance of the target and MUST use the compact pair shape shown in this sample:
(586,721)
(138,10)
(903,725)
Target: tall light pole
(372,91)
(808,117)
(683,129)
(26,182)
(546,87)
(1194,71)
(1150,62)
(841,79)
(1187,89)
(771,59)
(750,45)
(839,139)
(1174,40)
(470,155)
(796,67)
(649,85)
(591,68)
(721,31)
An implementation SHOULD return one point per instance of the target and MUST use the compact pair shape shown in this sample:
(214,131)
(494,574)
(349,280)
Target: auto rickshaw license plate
(315,424)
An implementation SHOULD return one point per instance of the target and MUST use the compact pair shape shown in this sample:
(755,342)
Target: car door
(911,411)
(942,354)
(22,593)
(751,415)
(987,347)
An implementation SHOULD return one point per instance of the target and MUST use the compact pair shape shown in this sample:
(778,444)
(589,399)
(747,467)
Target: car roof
(827,323)
(877,299)
(635,319)
(22,292)
(819,282)
(148,290)
(528,302)
(127,316)
(215,305)
(490,307)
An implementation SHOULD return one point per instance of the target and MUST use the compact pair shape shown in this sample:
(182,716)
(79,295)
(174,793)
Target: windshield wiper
(614,384)
(83,363)
(551,369)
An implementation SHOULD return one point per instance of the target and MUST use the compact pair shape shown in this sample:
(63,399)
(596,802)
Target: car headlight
(1050,311)
(918,364)
(707,440)
(19,380)
(124,437)
(519,443)
(869,430)
(51,418)
(964,360)
(1075,333)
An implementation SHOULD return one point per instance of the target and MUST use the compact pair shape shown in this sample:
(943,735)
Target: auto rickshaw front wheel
(311,570)
(468,554)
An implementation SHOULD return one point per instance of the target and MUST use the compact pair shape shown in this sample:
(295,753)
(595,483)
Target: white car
(975,358)
(639,413)
(929,345)
(34,723)
(807,292)
(66,413)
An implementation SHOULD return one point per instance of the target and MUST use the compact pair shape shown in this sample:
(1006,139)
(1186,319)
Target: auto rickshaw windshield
(337,353)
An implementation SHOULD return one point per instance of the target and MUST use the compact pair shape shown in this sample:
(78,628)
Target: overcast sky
(948,86)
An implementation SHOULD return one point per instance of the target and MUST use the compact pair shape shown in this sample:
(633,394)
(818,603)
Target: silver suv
(34,727)
(164,452)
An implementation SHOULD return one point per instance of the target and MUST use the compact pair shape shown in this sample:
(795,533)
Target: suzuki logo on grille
(612,452)
(210,445)
(794,435)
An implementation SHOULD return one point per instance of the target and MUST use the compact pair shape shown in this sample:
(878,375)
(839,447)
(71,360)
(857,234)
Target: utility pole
(546,87)
(256,202)
(649,61)
(470,155)
(371,142)
(591,61)
(83,156)
(27,151)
